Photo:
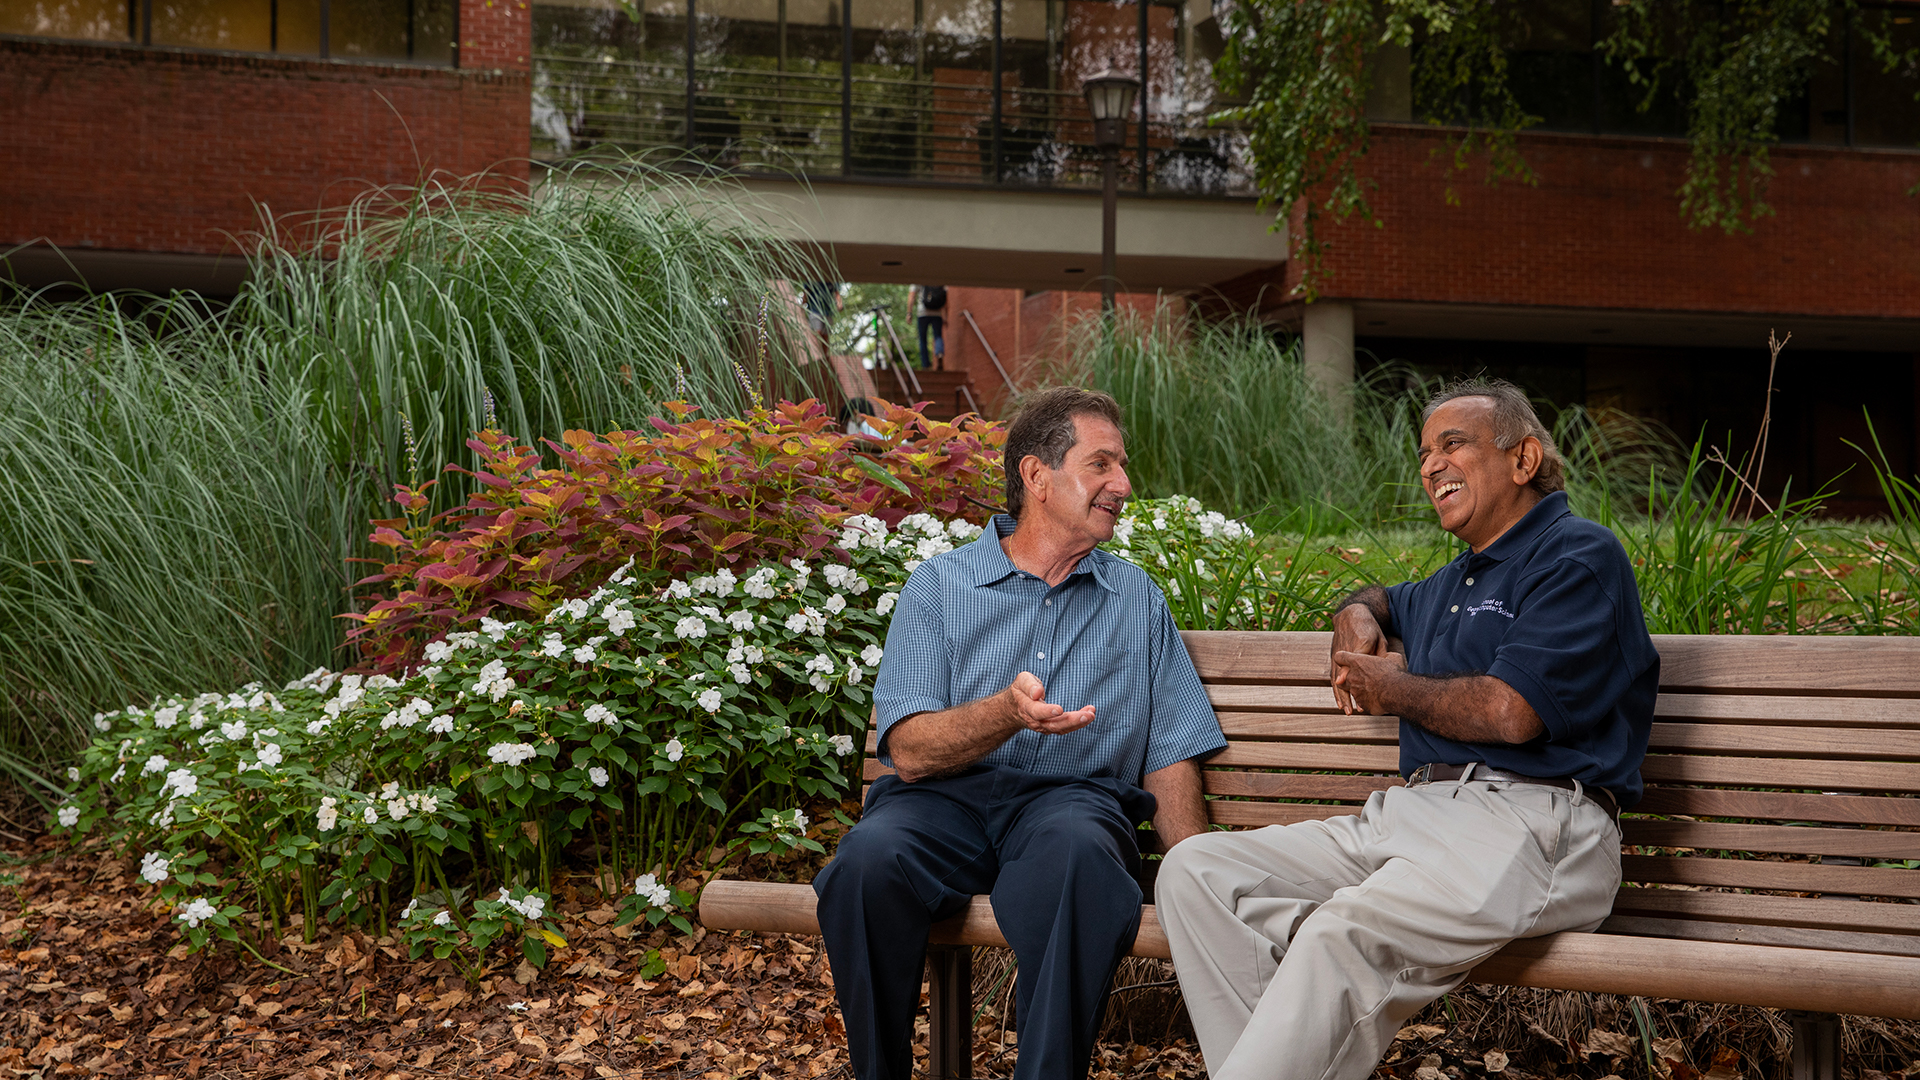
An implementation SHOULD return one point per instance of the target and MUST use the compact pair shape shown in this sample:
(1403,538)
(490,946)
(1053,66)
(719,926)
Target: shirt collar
(984,561)
(1527,530)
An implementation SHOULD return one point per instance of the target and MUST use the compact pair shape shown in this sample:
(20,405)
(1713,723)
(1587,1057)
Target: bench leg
(950,1012)
(1816,1045)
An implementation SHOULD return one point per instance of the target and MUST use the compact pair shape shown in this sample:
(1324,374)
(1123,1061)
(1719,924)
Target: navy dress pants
(1057,854)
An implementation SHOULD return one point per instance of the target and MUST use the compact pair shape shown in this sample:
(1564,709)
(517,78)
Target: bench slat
(1782,839)
(1781,805)
(1793,937)
(1811,711)
(1264,785)
(1858,666)
(1317,727)
(1255,815)
(1381,759)
(1754,740)
(1766,874)
(1782,772)
(1769,910)
(1311,697)
(1825,981)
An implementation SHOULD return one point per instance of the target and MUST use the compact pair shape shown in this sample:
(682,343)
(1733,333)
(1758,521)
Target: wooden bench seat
(1775,860)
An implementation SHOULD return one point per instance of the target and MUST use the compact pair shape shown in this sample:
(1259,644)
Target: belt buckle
(1421,775)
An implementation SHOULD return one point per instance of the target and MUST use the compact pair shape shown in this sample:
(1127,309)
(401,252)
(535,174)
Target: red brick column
(496,35)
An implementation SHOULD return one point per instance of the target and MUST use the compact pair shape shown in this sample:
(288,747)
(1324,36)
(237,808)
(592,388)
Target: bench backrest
(1781,779)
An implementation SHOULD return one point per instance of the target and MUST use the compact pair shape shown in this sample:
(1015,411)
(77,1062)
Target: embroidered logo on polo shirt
(1494,606)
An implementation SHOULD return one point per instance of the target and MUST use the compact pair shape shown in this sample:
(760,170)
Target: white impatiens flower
(678,590)
(235,730)
(270,755)
(821,663)
(197,911)
(154,764)
(759,585)
(493,680)
(167,717)
(101,723)
(370,814)
(494,629)
(740,673)
(836,604)
(553,646)
(842,745)
(440,725)
(653,891)
(820,683)
(531,905)
(797,622)
(871,655)
(153,867)
(693,626)
(73,774)
(328,815)
(442,918)
(854,674)
(575,609)
(396,808)
(439,652)
(836,575)
(586,654)
(885,603)
(598,775)
(69,816)
(674,749)
(710,700)
(407,912)
(600,714)
(741,620)
(506,753)
(182,783)
(619,619)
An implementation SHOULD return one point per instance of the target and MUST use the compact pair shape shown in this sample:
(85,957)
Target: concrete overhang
(41,266)
(1015,239)
(1608,326)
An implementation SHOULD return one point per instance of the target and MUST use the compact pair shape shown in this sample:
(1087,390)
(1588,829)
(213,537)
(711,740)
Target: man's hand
(1361,679)
(1356,632)
(1027,700)
(937,743)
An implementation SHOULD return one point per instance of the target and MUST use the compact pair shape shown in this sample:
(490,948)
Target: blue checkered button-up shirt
(968,621)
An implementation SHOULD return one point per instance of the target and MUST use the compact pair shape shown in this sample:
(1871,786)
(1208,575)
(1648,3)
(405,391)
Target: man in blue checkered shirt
(1036,702)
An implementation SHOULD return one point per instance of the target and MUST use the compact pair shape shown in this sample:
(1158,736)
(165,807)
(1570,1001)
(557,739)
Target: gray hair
(1044,428)
(1513,419)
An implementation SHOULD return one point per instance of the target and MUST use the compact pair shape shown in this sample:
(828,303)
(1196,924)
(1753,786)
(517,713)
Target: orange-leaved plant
(693,494)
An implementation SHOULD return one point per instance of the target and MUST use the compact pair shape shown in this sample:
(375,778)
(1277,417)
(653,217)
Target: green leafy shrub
(659,716)
(692,495)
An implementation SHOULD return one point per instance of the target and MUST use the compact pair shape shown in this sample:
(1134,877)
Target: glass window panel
(368,29)
(297,27)
(245,25)
(433,31)
(88,20)
(602,77)
(1885,112)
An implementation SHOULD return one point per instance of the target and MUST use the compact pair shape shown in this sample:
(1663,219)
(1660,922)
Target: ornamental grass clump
(660,720)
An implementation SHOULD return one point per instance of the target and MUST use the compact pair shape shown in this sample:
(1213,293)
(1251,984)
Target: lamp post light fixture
(1110,97)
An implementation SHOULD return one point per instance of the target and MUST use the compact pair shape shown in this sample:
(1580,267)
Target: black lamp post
(1110,99)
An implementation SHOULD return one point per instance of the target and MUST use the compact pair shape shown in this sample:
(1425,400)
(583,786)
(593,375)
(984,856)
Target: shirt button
(1456,607)
(1041,656)
(1049,602)
(1469,581)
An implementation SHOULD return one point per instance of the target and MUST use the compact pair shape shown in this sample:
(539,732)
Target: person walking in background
(822,301)
(930,313)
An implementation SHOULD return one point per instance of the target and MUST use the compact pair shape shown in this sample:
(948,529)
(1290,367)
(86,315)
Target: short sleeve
(1563,653)
(1182,724)
(916,669)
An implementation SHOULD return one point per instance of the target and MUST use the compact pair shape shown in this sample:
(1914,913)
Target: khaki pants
(1302,948)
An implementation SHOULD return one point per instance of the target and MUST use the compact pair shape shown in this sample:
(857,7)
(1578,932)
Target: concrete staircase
(949,393)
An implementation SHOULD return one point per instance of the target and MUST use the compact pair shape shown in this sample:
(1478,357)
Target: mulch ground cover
(94,981)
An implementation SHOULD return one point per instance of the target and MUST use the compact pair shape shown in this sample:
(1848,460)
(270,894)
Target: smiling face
(1479,490)
(1079,503)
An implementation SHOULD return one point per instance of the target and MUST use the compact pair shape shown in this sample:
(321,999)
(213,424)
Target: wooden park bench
(1775,860)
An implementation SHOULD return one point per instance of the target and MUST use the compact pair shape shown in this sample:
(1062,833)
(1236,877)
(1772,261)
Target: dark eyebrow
(1423,450)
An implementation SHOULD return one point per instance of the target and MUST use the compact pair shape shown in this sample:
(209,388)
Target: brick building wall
(1027,332)
(119,148)
(1603,230)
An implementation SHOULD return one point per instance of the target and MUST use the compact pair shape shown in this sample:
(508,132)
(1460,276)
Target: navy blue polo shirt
(1552,610)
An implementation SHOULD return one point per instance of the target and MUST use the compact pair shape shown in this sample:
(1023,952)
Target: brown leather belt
(1427,774)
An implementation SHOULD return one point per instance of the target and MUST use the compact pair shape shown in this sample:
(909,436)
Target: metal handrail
(991,355)
(899,349)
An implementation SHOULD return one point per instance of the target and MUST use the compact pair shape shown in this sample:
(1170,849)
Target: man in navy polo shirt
(1524,680)
(999,787)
